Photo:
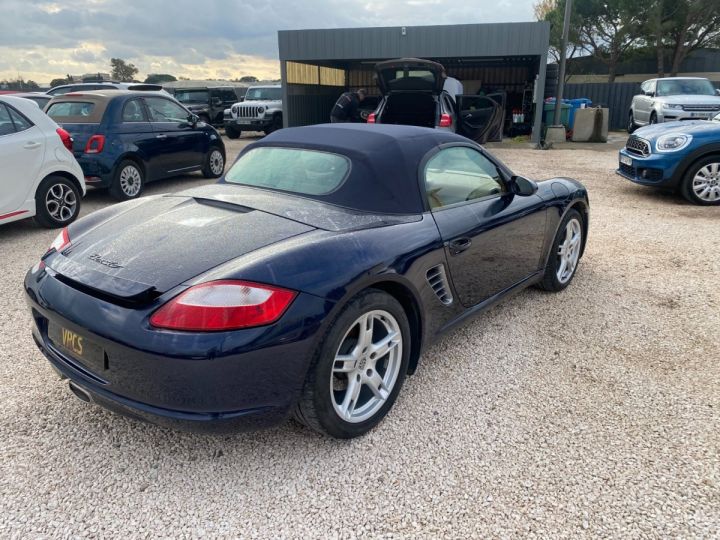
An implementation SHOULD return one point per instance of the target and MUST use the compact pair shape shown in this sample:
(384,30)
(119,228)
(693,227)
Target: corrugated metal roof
(446,41)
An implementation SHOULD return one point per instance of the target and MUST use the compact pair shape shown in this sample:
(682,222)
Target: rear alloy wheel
(565,254)
(214,165)
(128,182)
(632,126)
(358,373)
(701,184)
(57,202)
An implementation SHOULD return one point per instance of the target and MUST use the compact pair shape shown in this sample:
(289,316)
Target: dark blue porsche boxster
(307,281)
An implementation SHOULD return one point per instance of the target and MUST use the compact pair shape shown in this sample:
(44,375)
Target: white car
(40,176)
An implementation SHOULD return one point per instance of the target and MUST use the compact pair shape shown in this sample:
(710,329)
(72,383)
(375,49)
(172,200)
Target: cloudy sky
(41,40)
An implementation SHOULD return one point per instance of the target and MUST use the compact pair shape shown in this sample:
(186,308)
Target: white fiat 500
(39,175)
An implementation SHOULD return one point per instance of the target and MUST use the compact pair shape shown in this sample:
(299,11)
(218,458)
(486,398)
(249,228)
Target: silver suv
(261,110)
(671,99)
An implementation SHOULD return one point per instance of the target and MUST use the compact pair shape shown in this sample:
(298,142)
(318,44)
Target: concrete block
(591,125)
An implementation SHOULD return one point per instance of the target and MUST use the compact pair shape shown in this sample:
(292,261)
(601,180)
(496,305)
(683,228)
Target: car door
(22,148)
(643,104)
(481,118)
(182,145)
(493,239)
(136,135)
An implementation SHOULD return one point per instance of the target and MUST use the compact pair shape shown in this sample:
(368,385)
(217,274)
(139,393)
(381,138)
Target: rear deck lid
(410,75)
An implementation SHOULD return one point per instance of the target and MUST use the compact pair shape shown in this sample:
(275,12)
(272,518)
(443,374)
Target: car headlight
(261,110)
(672,142)
(672,106)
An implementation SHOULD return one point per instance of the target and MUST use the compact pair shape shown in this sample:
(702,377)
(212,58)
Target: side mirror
(216,101)
(519,185)
(717,91)
(649,93)
(193,119)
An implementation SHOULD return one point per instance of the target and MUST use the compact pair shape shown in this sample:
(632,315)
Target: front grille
(637,146)
(246,111)
(647,174)
(438,281)
(701,108)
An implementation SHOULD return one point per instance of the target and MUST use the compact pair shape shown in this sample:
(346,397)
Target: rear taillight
(95,144)
(61,242)
(445,120)
(65,138)
(223,305)
(371,118)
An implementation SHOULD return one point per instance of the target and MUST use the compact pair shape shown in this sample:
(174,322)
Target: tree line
(615,30)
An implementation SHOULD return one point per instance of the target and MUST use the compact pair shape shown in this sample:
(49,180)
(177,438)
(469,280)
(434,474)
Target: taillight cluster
(371,118)
(223,305)
(445,120)
(61,242)
(65,138)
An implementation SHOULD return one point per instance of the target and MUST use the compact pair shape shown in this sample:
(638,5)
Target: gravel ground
(590,413)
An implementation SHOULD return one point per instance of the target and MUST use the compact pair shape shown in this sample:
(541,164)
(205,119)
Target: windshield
(307,172)
(263,94)
(691,87)
(192,96)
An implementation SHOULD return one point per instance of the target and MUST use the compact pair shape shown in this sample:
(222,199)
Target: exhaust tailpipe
(80,393)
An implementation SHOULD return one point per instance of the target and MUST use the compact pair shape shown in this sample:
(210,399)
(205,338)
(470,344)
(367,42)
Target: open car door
(482,118)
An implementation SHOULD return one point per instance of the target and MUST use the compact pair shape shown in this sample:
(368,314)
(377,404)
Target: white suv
(261,110)
(40,176)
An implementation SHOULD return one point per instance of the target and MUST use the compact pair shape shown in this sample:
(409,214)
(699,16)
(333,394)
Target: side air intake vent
(438,281)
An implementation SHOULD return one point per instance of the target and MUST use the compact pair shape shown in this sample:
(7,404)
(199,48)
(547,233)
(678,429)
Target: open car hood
(409,75)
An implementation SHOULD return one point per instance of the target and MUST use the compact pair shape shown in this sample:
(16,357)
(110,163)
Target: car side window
(458,174)
(21,123)
(6,123)
(133,111)
(164,110)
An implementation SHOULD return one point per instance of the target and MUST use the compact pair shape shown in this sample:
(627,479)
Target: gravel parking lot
(594,412)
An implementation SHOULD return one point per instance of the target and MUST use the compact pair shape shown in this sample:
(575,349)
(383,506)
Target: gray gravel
(590,413)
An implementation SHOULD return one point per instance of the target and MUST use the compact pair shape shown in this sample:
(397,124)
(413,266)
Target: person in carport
(347,107)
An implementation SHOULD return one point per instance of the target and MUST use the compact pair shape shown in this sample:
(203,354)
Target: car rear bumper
(96,172)
(224,381)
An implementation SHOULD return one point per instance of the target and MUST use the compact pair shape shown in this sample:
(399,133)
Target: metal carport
(318,65)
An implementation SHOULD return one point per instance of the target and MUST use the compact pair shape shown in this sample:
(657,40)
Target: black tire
(713,181)
(204,118)
(551,281)
(57,202)
(631,126)
(232,133)
(653,118)
(129,181)
(316,407)
(214,164)
(277,123)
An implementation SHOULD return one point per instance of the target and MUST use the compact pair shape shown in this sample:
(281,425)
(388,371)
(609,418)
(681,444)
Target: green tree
(249,79)
(159,78)
(122,71)
(58,82)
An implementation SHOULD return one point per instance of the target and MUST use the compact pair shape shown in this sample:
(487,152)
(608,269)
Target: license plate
(77,347)
(625,160)
(243,122)
(700,115)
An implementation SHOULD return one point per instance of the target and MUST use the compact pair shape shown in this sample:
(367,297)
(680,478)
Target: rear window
(413,79)
(75,111)
(192,96)
(306,172)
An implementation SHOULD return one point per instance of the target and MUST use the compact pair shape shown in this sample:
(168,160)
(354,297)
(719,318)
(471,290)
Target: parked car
(671,99)
(308,280)
(413,94)
(110,85)
(40,176)
(680,156)
(125,139)
(38,97)
(412,91)
(260,110)
(208,103)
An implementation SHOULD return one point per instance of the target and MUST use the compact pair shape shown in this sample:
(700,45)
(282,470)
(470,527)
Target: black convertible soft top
(385,161)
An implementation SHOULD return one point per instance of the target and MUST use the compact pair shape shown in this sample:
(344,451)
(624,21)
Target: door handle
(458,246)
(161,136)
(31,145)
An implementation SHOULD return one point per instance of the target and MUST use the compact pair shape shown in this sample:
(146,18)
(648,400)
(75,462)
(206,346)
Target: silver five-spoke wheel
(61,202)
(569,251)
(706,183)
(130,180)
(366,366)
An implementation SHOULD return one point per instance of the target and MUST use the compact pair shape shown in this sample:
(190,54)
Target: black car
(209,103)
(124,139)
(308,281)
